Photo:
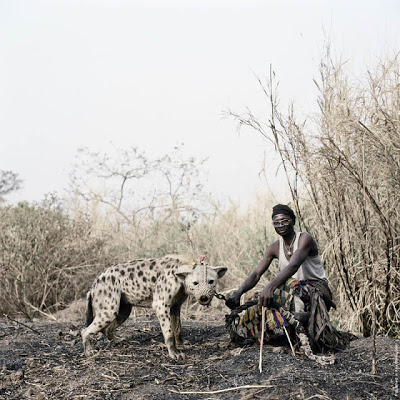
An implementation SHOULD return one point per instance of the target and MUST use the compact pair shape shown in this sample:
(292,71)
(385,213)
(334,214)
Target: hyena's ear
(182,274)
(220,271)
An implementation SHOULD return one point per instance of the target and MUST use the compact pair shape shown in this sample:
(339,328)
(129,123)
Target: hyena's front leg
(164,316)
(176,323)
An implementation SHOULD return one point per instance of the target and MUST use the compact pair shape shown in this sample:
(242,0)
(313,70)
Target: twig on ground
(109,377)
(20,323)
(40,311)
(226,390)
(115,377)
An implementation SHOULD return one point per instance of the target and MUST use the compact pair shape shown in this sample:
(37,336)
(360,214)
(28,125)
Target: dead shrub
(46,258)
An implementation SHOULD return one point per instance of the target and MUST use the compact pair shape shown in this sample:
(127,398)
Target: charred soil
(46,361)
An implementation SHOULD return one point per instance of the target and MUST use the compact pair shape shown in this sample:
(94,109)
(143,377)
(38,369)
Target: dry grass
(46,258)
(50,253)
(343,168)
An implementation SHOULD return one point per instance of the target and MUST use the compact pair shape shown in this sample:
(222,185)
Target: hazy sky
(156,73)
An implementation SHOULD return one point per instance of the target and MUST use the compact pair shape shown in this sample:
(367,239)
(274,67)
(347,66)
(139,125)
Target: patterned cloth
(245,323)
(250,325)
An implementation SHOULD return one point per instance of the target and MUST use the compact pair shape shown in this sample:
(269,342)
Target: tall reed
(343,169)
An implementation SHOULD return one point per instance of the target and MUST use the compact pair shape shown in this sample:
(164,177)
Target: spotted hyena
(165,282)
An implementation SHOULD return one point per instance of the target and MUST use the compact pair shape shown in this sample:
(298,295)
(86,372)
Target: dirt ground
(45,361)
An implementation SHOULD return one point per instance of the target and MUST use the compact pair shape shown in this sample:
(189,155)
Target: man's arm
(306,244)
(233,301)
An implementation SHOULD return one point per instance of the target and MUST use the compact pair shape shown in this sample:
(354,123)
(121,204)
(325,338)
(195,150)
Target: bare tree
(9,182)
(136,186)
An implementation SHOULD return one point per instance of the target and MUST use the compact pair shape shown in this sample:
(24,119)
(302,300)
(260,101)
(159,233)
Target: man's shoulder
(307,240)
(275,244)
(305,237)
(273,248)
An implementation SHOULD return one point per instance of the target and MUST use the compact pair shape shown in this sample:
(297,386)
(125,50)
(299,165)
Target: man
(298,257)
(297,297)
(298,292)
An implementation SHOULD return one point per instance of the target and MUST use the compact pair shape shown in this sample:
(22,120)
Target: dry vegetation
(343,168)
(51,251)
(45,258)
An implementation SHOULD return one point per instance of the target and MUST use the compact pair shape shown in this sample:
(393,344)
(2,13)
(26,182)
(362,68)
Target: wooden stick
(224,390)
(262,337)
(40,311)
(26,326)
(290,342)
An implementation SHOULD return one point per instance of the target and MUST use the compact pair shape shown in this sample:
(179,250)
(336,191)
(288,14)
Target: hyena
(166,282)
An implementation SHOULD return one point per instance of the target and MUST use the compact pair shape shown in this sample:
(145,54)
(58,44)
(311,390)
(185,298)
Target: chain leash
(220,296)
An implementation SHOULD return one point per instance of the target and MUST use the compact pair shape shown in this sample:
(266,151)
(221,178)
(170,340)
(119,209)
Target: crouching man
(300,287)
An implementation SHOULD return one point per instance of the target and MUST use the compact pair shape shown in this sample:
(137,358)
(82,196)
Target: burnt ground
(49,364)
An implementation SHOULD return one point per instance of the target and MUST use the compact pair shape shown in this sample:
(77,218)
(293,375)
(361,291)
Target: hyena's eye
(211,281)
(195,283)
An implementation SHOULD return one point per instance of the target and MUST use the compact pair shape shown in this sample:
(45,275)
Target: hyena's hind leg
(123,314)
(102,319)
(99,323)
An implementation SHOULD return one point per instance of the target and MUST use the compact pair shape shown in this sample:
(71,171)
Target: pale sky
(156,73)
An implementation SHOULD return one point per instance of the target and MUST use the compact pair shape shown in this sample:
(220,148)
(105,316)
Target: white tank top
(311,268)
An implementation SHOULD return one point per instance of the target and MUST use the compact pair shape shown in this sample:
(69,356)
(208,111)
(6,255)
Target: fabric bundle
(245,326)
(250,325)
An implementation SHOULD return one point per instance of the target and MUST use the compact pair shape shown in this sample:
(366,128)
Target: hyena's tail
(89,309)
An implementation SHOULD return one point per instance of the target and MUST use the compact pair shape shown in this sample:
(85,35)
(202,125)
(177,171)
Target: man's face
(282,223)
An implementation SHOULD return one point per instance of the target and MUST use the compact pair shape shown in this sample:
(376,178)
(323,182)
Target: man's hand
(266,296)
(233,301)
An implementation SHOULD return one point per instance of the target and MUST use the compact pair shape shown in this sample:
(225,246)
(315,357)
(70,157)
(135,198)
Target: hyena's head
(200,281)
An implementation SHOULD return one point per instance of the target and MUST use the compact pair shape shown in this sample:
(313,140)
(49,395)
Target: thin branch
(20,323)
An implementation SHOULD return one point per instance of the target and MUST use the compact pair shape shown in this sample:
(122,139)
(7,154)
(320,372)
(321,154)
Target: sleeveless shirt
(312,267)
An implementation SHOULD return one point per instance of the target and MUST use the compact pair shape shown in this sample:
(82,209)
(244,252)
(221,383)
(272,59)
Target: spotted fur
(164,282)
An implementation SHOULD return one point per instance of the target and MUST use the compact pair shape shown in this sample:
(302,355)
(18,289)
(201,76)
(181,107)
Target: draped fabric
(246,326)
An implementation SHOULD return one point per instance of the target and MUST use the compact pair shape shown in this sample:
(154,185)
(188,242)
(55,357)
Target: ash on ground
(45,360)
